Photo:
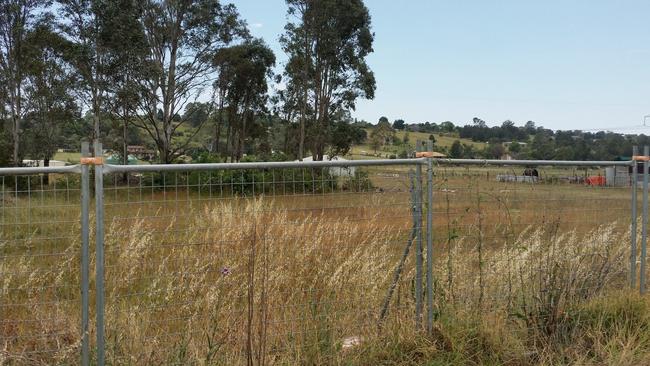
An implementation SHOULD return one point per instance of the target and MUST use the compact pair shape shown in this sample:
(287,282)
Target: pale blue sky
(572,64)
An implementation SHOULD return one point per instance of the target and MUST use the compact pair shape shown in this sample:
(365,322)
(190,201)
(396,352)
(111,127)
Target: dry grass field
(295,270)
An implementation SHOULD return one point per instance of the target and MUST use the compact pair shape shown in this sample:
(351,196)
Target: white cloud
(257,25)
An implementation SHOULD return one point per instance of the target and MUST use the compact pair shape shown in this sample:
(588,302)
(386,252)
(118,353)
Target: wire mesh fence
(274,265)
(295,263)
(525,250)
(40,296)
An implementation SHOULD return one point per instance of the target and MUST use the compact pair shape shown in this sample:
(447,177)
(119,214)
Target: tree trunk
(17,110)
(217,134)
(125,149)
(165,154)
(242,138)
(242,134)
(285,146)
(233,146)
(301,145)
(168,100)
(96,111)
(228,140)
(16,138)
(46,177)
(303,106)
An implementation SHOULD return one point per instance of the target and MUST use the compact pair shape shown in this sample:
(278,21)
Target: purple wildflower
(225,271)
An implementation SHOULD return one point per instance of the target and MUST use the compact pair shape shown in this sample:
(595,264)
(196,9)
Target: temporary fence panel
(281,263)
(41,266)
(526,250)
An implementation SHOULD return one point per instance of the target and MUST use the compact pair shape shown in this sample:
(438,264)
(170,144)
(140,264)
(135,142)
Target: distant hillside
(478,140)
(443,142)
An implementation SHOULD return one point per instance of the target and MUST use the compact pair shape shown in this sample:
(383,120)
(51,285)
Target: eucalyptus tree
(182,37)
(125,63)
(17,18)
(288,106)
(196,113)
(49,104)
(327,45)
(5,131)
(383,134)
(244,71)
(296,43)
(79,21)
(343,134)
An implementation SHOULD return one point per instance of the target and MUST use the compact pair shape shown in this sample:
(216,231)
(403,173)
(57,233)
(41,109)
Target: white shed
(336,171)
(40,163)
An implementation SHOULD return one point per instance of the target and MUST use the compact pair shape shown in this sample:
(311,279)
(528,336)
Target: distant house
(41,163)
(336,171)
(508,143)
(141,152)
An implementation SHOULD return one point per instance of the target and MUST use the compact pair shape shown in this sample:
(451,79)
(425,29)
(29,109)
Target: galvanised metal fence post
(419,249)
(644,222)
(429,239)
(99,251)
(635,152)
(85,240)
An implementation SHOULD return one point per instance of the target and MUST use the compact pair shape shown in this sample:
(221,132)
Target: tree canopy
(327,44)
(183,79)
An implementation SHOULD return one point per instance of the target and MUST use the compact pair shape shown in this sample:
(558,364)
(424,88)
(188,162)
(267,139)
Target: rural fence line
(288,261)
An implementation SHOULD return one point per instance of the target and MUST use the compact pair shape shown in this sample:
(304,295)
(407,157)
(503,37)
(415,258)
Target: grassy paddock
(298,274)
(68,157)
(444,140)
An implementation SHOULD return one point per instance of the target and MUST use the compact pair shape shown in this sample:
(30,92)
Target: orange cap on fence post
(97,160)
(429,154)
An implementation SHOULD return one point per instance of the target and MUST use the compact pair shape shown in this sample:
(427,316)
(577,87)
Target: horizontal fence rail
(301,262)
(7,172)
(570,163)
(259,165)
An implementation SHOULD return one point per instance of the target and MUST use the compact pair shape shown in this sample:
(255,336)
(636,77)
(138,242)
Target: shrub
(360,182)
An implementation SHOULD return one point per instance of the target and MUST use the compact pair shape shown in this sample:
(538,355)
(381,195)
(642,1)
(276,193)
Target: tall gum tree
(16,19)
(80,22)
(49,104)
(242,86)
(125,63)
(327,47)
(182,37)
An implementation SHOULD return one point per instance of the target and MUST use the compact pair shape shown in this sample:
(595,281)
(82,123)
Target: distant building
(141,152)
(508,143)
(41,163)
(349,171)
(623,174)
